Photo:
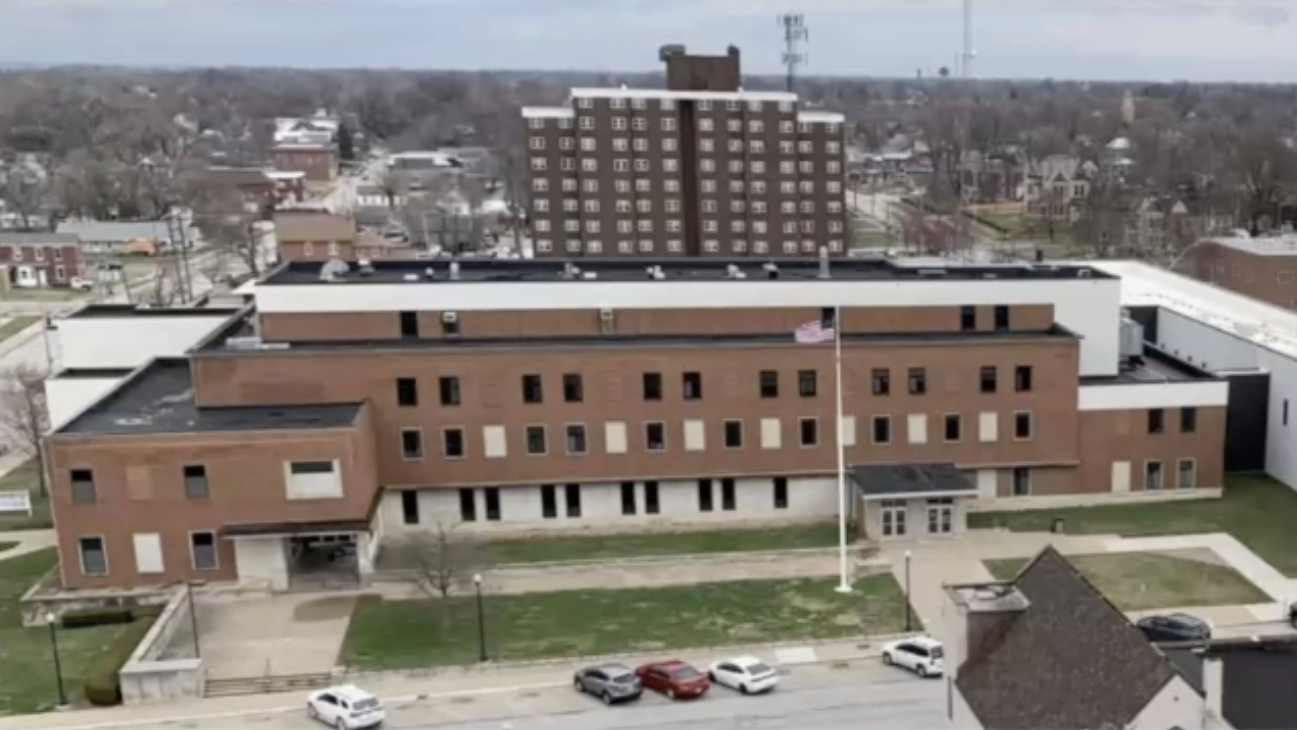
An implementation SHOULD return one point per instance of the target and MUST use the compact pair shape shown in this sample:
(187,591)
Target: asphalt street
(825,697)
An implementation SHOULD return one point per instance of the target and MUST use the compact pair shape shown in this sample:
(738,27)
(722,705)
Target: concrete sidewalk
(29,541)
(409,686)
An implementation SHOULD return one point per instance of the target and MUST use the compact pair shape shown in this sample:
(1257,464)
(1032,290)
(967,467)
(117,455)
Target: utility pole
(969,53)
(177,237)
(795,34)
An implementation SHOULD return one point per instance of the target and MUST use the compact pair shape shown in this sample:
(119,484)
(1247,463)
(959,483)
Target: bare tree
(24,415)
(25,194)
(445,560)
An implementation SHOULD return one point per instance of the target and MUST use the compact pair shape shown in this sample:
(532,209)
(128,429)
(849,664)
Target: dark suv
(1174,627)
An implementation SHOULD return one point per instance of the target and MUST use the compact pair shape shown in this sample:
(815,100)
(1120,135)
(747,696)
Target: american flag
(816,332)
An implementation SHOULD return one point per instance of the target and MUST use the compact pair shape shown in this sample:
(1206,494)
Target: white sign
(20,501)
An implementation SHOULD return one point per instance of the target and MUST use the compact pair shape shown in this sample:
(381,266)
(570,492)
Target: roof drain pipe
(824,263)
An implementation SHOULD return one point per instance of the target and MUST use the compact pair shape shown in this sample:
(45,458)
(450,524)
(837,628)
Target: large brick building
(701,168)
(1261,268)
(523,396)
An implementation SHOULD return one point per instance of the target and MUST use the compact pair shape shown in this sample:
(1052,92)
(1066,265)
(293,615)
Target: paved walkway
(256,636)
(29,541)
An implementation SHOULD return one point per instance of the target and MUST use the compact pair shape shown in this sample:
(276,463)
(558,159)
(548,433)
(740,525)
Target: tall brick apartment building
(701,168)
(1261,268)
(342,412)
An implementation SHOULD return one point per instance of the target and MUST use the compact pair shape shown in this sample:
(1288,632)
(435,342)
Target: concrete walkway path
(29,541)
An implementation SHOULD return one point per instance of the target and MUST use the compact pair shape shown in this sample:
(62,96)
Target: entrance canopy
(288,529)
(909,481)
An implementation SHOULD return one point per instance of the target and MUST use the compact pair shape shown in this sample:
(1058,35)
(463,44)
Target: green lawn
(1258,511)
(546,549)
(1145,581)
(14,326)
(407,634)
(7,546)
(27,679)
(26,477)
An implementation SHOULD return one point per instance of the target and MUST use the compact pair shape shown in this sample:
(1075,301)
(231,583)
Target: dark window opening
(576,439)
(94,559)
(195,481)
(1022,425)
(452,443)
(733,434)
(809,430)
(628,498)
(727,495)
(781,493)
(536,445)
(407,392)
(1001,317)
(968,319)
(989,380)
(1188,420)
(953,427)
(492,495)
(1022,378)
(807,383)
(882,430)
(449,323)
(918,379)
(692,386)
(83,486)
(548,502)
(573,388)
(572,500)
(769,384)
(411,443)
(705,495)
(880,382)
(1021,481)
(410,507)
(533,390)
(1156,420)
(449,387)
(651,504)
(652,386)
(409,324)
(655,436)
(467,505)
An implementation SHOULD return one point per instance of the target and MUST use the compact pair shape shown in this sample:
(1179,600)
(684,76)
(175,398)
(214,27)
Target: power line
(795,34)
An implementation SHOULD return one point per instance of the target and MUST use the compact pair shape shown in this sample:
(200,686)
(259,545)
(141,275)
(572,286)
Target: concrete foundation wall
(145,679)
(809,498)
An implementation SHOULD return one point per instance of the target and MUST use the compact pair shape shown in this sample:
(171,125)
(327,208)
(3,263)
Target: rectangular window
(769,386)
(572,500)
(1022,379)
(1021,481)
(918,381)
(882,430)
(452,443)
(548,502)
(411,444)
(407,392)
(449,323)
(1022,425)
(809,431)
(1001,317)
(807,384)
(692,386)
(1153,476)
(536,445)
(532,389)
(576,438)
(195,481)
(880,381)
(953,427)
(989,380)
(652,386)
(202,549)
(727,495)
(94,558)
(83,486)
(311,467)
(968,319)
(491,495)
(781,492)
(628,498)
(655,436)
(573,388)
(1156,420)
(409,324)
(410,507)
(652,505)
(467,505)
(448,385)
(733,434)
(1187,476)
(705,495)
(1188,420)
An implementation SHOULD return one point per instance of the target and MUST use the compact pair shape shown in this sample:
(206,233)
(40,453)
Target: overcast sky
(1208,40)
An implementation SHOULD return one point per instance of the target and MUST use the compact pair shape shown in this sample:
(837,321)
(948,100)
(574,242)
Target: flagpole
(844,586)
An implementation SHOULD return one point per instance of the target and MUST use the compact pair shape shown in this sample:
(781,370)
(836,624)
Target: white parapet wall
(130,340)
(67,396)
(1144,396)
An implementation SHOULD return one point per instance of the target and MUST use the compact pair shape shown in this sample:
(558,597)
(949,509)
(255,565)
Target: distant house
(991,178)
(38,260)
(1164,222)
(1057,188)
(1046,651)
(318,162)
(319,128)
(125,238)
(260,189)
(310,235)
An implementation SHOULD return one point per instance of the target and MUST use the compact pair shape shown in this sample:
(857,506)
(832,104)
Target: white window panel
(148,553)
(988,427)
(495,443)
(614,436)
(848,431)
(1121,476)
(695,435)
(917,428)
(771,434)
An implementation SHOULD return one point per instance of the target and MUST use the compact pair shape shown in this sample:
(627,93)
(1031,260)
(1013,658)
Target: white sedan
(747,674)
(922,655)
(346,707)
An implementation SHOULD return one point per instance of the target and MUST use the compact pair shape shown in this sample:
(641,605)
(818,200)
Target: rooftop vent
(771,269)
(589,275)
(366,268)
(334,269)
(824,263)
(570,271)
(454,271)
(411,277)
(430,273)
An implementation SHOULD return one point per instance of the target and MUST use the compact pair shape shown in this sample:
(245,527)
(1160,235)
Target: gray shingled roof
(39,238)
(1070,660)
(116,231)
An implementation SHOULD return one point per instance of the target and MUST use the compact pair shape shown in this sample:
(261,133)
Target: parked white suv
(346,707)
(922,655)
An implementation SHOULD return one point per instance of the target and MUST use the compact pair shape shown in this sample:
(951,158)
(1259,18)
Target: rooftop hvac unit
(449,317)
(606,314)
(1132,340)
(243,343)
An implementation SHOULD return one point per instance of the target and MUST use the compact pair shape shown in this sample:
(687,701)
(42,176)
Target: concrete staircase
(242,686)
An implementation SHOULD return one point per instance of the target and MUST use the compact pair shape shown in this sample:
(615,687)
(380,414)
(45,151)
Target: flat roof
(113,311)
(1277,246)
(821,117)
(1265,325)
(91,373)
(881,481)
(575,271)
(738,95)
(1156,367)
(548,112)
(159,398)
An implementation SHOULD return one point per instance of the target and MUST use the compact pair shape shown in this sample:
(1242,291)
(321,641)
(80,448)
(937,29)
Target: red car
(674,678)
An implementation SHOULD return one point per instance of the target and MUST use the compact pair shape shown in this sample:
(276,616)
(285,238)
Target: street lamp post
(51,620)
(481,620)
(909,613)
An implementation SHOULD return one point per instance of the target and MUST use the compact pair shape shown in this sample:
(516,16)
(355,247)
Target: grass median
(27,679)
(1258,511)
(1147,581)
(560,549)
(410,634)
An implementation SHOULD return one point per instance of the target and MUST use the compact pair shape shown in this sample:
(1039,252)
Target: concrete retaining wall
(40,601)
(147,679)
(1062,501)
